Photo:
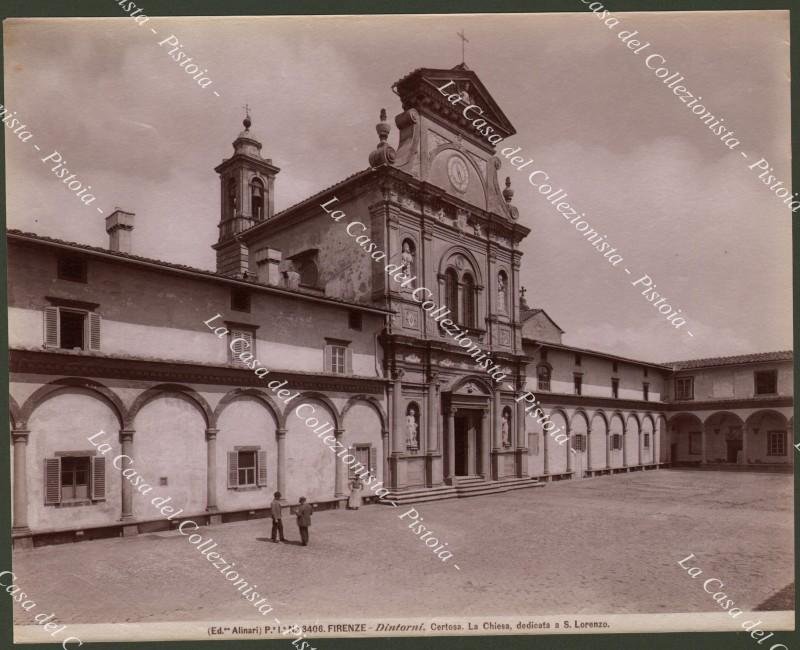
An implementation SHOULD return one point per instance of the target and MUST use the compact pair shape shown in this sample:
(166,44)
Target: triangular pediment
(420,90)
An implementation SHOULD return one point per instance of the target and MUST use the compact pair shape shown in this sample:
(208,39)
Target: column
(568,447)
(341,476)
(20,438)
(624,447)
(433,414)
(280,434)
(451,444)
(398,440)
(384,451)
(486,432)
(546,451)
(211,471)
(608,448)
(744,445)
(498,412)
(641,441)
(126,440)
(589,448)
(472,441)
(703,460)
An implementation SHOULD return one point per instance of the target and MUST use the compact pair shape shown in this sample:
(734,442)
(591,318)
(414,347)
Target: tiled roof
(525,314)
(300,293)
(758,357)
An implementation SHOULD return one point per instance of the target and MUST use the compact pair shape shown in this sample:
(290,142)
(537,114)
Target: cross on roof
(464,41)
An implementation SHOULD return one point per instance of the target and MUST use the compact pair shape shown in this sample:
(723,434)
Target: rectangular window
(578,384)
(615,387)
(543,378)
(74,479)
(646,392)
(71,329)
(616,441)
(766,382)
(578,359)
(579,442)
(354,320)
(365,455)
(776,443)
(240,300)
(684,388)
(247,468)
(695,443)
(71,268)
(647,441)
(239,342)
(338,357)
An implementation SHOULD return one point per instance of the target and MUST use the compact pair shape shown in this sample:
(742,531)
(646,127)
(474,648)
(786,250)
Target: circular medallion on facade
(458,173)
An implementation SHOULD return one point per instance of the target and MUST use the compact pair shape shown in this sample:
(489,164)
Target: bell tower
(246,198)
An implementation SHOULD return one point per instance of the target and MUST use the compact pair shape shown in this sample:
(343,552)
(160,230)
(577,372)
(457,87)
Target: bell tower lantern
(246,198)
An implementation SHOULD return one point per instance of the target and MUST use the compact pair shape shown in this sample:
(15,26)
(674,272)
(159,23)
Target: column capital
(338,432)
(384,433)
(397,374)
(452,411)
(126,434)
(281,433)
(211,433)
(20,435)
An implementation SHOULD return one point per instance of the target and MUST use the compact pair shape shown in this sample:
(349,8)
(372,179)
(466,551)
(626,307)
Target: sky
(678,204)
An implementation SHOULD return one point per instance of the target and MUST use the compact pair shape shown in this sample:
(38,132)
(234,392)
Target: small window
(74,478)
(247,468)
(646,392)
(355,320)
(338,357)
(646,441)
(578,384)
(77,479)
(776,443)
(241,343)
(615,367)
(578,359)
(766,382)
(365,456)
(71,329)
(684,388)
(72,268)
(616,441)
(615,387)
(695,443)
(579,442)
(240,300)
(543,377)
(543,355)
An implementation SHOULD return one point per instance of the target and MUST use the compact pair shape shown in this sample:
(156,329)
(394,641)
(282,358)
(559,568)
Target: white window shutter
(348,364)
(239,347)
(233,469)
(373,460)
(328,358)
(262,468)
(94,331)
(98,478)
(52,481)
(51,327)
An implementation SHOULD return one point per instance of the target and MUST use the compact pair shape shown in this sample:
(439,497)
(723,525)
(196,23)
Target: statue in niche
(292,277)
(505,429)
(412,429)
(501,292)
(407,259)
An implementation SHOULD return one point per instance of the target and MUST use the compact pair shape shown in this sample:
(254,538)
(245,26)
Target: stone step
(460,491)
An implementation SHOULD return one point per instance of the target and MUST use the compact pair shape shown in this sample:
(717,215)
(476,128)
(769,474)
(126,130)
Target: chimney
(119,225)
(268,261)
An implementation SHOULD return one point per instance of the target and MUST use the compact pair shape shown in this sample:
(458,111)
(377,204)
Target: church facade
(197,378)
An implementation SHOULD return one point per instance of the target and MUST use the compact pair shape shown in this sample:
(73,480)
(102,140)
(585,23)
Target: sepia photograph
(329,327)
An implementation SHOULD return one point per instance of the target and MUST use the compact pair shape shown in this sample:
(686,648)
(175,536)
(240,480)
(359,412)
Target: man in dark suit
(277,522)
(304,519)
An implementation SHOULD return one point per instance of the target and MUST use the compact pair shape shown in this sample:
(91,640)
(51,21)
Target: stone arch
(98,390)
(635,417)
(437,161)
(648,417)
(165,389)
(721,415)
(261,395)
(580,413)
(602,415)
(755,418)
(372,401)
(563,413)
(620,418)
(15,413)
(315,396)
(683,414)
(444,263)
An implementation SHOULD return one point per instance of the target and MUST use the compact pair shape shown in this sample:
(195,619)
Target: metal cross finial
(522,292)
(464,40)
(246,108)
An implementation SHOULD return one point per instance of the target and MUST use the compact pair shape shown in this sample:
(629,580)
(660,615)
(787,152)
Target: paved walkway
(604,545)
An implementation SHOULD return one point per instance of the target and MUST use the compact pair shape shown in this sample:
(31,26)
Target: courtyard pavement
(607,545)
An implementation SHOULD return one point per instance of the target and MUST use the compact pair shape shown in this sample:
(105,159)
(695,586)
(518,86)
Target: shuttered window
(247,468)
(74,479)
(243,344)
(647,441)
(338,359)
(616,441)
(71,329)
(366,456)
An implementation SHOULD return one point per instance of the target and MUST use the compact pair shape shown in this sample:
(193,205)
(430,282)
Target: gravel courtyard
(606,545)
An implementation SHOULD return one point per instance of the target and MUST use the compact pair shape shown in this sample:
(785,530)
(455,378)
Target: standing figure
(354,502)
(411,429)
(304,519)
(501,292)
(407,258)
(277,521)
(292,277)
(504,428)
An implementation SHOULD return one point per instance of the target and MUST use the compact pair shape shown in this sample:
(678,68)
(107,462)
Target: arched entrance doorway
(468,432)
